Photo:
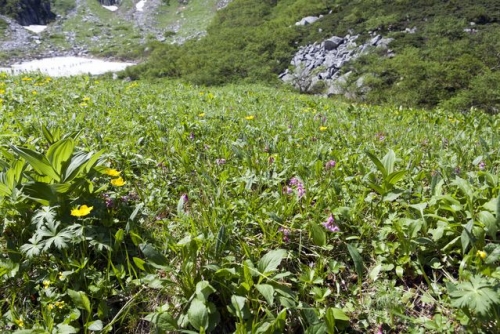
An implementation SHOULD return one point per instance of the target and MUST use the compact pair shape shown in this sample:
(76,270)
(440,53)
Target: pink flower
(330,164)
(330,225)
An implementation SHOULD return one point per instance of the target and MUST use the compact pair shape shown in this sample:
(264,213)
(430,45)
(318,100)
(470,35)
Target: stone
(332,43)
(307,20)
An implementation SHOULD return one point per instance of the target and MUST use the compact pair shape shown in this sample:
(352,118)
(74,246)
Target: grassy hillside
(142,207)
(449,60)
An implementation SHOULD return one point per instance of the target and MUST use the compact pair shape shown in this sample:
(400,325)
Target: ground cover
(138,207)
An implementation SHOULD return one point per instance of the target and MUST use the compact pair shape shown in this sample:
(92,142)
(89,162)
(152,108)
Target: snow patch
(35,28)
(67,66)
(111,8)
(140,5)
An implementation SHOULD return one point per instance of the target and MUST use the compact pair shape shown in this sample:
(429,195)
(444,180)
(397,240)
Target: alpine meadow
(196,193)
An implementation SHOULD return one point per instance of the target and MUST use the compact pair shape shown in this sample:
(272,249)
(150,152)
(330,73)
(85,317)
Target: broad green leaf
(270,262)
(338,314)
(395,177)
(198,315)
(59,153)
(165,322)
(330,320)
(75,165)
(65,329)
(375,272)
(388,161)
(39,162)
(95,325)
(477,295)
(153,256)
(392,195)
(203,290)
(318,234)
(489,222)
(139,262)
(378,163)
(80,299)
(267,291)
(358,260)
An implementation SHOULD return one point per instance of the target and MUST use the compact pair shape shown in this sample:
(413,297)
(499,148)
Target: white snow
(111,8)
(140,5)
(36,28)
(67,66)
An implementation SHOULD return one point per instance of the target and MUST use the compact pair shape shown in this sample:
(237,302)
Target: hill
(443,53)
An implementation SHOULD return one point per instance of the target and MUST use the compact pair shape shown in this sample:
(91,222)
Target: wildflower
(294,181)
(201,115)
(26,79)
(86,99)
(482,165)
(287,190)
(50,307)
(220,162)
(112,172)
(118,182)
(482,254)
(330,225)
(109,201)
(34,92)
(59,304)
(323,128)
(81,211)
(83,104)
(249,118)
(46,284)
(191,136)
(301,191)
(61,276)
(286,234)
(19,323)
(184,198)
(330,164)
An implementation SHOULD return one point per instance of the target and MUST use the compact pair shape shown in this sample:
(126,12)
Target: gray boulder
(307,20)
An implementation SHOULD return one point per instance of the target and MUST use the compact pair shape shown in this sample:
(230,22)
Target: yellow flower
(86,98)
(34,92)
(482,254)
(323,128)
(83,104)
(46,284)
(50,307)
(59,304)
(112,172)
(61,276)
(249,118)
(201,115)
(82,210)
(2,91)
(118,182)
(19,323)
(26,79)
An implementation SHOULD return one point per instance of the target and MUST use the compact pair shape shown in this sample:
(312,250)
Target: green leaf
(267,291)
(338,314)
(388,161)
(395,177)
(318,234)
(203,290)
(489,222)
(270,262)
(39,162)
(358,261)
(477,295)
(374,272)
(139,262)
(378,163)
(165,322)
(154,257)
(330,320)
(65,329)
(59,153)
(198,315)
(95,325)
(80,299)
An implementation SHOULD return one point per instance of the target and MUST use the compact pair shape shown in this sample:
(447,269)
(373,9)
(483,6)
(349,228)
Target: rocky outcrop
(34,12)
(109,2)
(319,68)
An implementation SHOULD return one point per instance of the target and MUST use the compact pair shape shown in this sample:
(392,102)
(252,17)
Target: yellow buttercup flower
(323,128)
(46,284)
(482,254)
(50,307)
(118,182)
(249,118)
(81,211)
(19,323)
(59,304)
(201,115)
(112,172)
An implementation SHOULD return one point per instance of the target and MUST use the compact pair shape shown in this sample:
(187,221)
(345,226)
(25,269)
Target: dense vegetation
(155,207)
(445,62)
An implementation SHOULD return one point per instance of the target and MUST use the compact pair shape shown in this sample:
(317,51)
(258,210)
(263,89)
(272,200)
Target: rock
(332,43)
(307,20)
(34,12)
(375,40)
(384,42)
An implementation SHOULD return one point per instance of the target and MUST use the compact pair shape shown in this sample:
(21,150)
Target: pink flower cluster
(294,182)
(330,225)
